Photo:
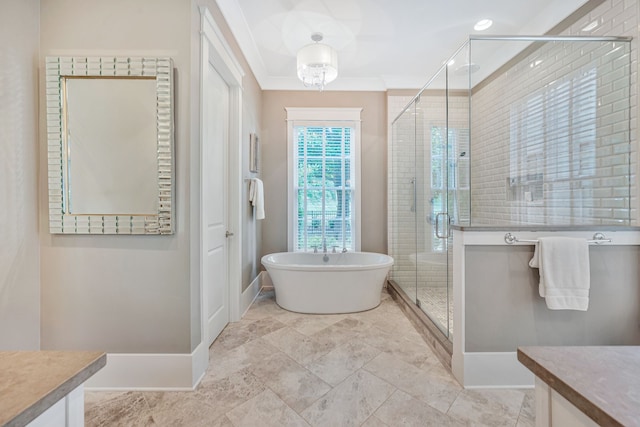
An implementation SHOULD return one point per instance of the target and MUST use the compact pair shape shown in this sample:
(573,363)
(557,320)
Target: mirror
(110,138)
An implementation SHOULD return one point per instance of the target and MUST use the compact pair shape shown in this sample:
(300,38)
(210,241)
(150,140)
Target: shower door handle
(414,195)
(448,219)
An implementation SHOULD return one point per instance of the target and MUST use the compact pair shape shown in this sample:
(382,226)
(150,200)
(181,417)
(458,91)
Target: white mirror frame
(60,220)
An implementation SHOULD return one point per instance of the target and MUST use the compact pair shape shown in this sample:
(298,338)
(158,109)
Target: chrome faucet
(324,246)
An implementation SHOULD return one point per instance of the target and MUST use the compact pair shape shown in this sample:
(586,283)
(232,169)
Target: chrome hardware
(344,250)
(228,234)
(334,249)
(598,239)
(315,249)
(448,229)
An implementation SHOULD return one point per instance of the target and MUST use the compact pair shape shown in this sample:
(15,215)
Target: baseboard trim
(267,283)
(151,372)
(251,293)
(495,370)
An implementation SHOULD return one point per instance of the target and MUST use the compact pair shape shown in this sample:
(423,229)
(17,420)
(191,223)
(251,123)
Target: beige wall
(373,158)
(19,251)
(120,294)
(135,294)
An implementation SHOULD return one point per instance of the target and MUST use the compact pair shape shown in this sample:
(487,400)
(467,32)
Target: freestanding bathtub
(327,283)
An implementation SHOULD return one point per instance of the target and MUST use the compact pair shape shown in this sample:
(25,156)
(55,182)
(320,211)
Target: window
(324,178)
(553,135)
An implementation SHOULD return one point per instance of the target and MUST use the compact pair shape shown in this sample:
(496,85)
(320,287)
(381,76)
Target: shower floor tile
(435,302)
(275,367)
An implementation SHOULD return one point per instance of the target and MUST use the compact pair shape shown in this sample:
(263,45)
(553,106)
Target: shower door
(432,165)
(403,189)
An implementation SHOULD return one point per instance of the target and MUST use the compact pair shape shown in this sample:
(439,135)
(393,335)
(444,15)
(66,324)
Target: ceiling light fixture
(483,24)
(317,63)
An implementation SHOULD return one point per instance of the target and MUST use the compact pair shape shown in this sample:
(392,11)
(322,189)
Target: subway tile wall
(420,259)
(519,176)
(524,168)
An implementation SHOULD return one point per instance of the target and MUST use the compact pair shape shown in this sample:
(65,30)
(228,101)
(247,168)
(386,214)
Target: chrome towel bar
(598,239)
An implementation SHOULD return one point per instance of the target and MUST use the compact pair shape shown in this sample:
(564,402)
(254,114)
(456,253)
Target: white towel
(256,197)
(564,272)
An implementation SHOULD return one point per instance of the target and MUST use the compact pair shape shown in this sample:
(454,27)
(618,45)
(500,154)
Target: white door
(214,203)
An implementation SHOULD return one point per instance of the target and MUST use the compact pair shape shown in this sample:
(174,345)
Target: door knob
(228,234)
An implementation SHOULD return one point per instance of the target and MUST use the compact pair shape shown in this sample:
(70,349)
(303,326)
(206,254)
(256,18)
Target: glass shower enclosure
(429,189)
(524,131)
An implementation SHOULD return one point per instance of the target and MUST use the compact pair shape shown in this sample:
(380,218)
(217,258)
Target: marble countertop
(603,382)
(32,381)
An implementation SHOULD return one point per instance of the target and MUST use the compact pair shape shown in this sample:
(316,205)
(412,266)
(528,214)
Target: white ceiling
(381,44)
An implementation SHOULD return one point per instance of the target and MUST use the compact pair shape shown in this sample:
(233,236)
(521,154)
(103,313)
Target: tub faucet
(324,246)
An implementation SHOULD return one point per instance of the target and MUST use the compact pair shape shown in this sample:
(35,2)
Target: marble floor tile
(374,421)
(299,347)
(294,384)
(437,392)
(402,410)
(310,324)
(415,352)
(236,334)
(488,407)
(265,410)
(340,332)
(527,417)
(279,368)
(117,409)
(350,403)
(342,361)
(182,409)
(230,392)
(397,323)
(224,363)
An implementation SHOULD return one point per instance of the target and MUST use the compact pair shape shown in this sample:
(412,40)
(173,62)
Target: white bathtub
(332,283)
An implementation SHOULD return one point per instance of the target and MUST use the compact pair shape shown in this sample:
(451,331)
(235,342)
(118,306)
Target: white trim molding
(325,117)
(495,370)
(151,371)
(251,293)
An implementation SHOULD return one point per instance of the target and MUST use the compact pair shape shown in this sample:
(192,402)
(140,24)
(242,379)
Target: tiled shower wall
(577,178)
(401,222)
(417,258)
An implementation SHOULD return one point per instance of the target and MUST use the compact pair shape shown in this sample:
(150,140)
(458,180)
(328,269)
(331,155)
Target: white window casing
(324,118)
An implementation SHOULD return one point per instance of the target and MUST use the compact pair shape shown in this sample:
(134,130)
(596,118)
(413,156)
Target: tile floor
(278,368)
(437,304)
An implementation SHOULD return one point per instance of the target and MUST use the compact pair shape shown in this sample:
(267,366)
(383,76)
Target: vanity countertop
(603,382)
(32,381)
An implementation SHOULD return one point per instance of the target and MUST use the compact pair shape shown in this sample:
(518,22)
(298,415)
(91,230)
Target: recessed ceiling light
(590,26)
(483,24)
